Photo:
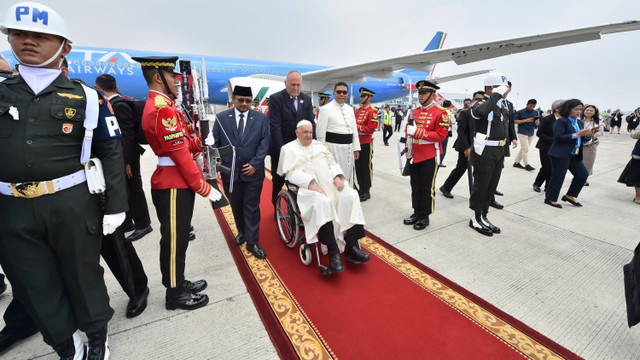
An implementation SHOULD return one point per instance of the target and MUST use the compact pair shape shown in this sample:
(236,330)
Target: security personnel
(491,134)
(176,180)
(430,129)
(324,100)
(367,123)
(51,226)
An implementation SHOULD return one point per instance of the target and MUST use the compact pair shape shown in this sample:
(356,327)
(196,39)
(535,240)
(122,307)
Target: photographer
(527,120)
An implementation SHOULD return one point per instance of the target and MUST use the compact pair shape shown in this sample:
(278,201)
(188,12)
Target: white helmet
(31,16)
(495,79)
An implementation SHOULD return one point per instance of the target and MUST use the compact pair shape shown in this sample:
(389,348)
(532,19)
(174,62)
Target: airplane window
(218,70)
(91,63)
(234,70)
(76,62)
(126,64)
(84,62)
(119,64)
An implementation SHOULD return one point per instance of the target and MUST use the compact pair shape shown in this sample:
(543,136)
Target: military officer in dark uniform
(491,134)
(430,129)
(51,225)
(367,123)
(175,181)
(324,100)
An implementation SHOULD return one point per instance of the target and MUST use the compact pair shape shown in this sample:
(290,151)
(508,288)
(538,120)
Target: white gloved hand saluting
(111,222)
(214,195)
(209,140)
(502,89)
(411,130)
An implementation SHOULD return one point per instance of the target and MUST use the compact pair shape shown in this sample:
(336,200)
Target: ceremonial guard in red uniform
(430,129)
(367,123)
(175,181)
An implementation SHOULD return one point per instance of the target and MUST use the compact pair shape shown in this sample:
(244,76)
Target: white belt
(165,161)
(365,134)
(31,189)
(496,142)
(425,142)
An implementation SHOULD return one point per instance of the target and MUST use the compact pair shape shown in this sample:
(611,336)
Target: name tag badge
(13,111)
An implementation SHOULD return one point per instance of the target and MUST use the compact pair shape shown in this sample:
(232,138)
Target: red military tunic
(168,135)
(367,123)
(432,124)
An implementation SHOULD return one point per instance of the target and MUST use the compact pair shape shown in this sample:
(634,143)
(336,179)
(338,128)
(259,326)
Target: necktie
(241,125)
(295,103)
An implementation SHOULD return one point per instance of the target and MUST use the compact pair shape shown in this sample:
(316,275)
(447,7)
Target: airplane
(389,78)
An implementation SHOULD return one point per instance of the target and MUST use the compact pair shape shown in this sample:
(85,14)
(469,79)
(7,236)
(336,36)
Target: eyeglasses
(477,99)
(240,100)
(342,92)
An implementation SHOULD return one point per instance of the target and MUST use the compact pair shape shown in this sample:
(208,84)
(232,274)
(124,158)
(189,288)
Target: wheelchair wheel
(305,254)
(287,221)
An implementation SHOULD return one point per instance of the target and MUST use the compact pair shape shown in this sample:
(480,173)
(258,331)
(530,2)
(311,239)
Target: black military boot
(194,287)
(478,225)
(180,298)
(354,254)
(494,229)
(98,342)
(71,349)
(335,264)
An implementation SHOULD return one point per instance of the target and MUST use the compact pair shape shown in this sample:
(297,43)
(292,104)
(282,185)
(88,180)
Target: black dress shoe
(494,229)
(586,184)
(192,236)
(548,202)
(137,304)
(446,192)
(497,205)
(194,287)
(257,251)
(3,287)
(529,168)
(355,255)
(363,197)
(9,337)
(411,220)
(517,165)
(442,165)
(139,233)
(335,264)
(574,203)
(191,229)
(498,193)
(480,228)
(536,188)
(240,239)
(186,300)
(421,224)
(97,347)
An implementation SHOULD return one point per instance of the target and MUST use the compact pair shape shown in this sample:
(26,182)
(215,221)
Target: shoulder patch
(160,102)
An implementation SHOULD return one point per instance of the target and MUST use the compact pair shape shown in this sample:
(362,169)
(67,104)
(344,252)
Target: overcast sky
(343,32)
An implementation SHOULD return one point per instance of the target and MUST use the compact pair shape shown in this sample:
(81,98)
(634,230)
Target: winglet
(434,44)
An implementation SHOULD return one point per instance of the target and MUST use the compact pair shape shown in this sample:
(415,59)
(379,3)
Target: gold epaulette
(374,108)
(441,108)
(160,102)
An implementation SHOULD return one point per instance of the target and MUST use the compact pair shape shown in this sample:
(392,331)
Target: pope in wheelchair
(330,209)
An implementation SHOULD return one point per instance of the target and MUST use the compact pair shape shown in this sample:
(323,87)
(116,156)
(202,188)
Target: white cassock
(300,165)
(340,119)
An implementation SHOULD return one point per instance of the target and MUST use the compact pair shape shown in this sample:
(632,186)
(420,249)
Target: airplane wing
(463,55)
(443,79)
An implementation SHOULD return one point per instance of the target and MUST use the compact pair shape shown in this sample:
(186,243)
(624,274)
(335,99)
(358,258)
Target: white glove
(209,141)
(111,222)
(411,129)
(500,90)
(214,195)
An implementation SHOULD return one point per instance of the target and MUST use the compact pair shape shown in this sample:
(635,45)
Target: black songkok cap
(242,91)
(424,85)
(167,63)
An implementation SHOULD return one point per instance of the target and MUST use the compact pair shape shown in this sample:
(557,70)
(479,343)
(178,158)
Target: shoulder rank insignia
(170,124)
(160,102)
(439,107)
(70,96)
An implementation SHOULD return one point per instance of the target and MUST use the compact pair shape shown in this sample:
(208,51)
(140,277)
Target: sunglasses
(342,92)
(240,100)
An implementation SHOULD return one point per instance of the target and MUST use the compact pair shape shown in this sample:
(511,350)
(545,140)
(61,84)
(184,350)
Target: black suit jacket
(125,114)
(465,131)
(545,132)
(251,149)
(563,142)
(283,119)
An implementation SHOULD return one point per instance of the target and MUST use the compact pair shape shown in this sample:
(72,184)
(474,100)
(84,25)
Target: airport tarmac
(557,270)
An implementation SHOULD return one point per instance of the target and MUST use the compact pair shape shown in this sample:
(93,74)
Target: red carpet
(391,307)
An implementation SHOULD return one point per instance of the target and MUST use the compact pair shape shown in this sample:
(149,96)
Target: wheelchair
(291,228)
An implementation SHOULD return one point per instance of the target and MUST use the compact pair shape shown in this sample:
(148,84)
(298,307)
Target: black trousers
(351,237)
(245,204)
(277,180)
(487,169)
(443,148)
(17,319)
(50,252)
(364,168)
(544,174)
(559,170)
(174,208)
(398,124)
(461,167)
(387,131)
(138,209)
(423,179)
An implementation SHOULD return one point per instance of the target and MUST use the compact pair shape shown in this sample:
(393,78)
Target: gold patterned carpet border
(303,335)
(515,338)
